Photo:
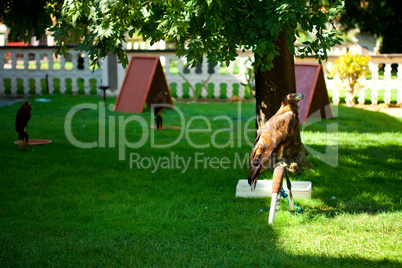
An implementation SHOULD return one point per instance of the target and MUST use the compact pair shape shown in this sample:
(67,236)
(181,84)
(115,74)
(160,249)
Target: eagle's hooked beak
(299,97)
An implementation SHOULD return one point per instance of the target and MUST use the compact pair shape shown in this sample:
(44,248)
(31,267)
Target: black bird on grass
(274,137)
(160,100)
(21,124)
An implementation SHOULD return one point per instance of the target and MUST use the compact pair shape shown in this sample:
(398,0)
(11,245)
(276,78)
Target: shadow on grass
(366,180)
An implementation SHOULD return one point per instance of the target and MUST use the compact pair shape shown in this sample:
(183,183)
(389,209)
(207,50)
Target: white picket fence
(25,70)
(382,79)
(224,81)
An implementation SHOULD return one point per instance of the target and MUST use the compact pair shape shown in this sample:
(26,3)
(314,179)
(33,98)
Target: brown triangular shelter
(143,80)
(310,82)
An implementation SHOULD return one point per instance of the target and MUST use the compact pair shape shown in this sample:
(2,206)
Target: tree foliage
(218,28)
(27,18)
(351,68)
(379,17)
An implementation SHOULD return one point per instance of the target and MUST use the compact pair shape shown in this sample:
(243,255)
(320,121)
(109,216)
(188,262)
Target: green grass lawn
(61,205)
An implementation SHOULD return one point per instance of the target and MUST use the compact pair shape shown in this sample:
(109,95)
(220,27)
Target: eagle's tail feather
(253,175)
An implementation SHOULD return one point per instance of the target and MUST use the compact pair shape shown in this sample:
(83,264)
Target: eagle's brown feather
(274,137)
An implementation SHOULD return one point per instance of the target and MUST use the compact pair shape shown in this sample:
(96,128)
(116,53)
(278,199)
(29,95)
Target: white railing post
(179,88)
(87,86)
(242,70)
(37,61)
(62,63)
(14,86)
(50,61)
(13,60)
(388,83)
(37,85)
(372,83)
(25,59)
(25,86)
(362,94)
(399,97)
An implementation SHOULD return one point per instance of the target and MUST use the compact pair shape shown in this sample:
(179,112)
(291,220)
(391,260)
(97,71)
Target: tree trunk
(271,88)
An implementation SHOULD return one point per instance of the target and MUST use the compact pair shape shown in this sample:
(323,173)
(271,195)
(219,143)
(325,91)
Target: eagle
(160,100)
(274,137)
(21,124)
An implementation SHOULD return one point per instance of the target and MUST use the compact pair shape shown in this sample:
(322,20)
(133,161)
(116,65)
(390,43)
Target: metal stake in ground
(277,180)
(104,88)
